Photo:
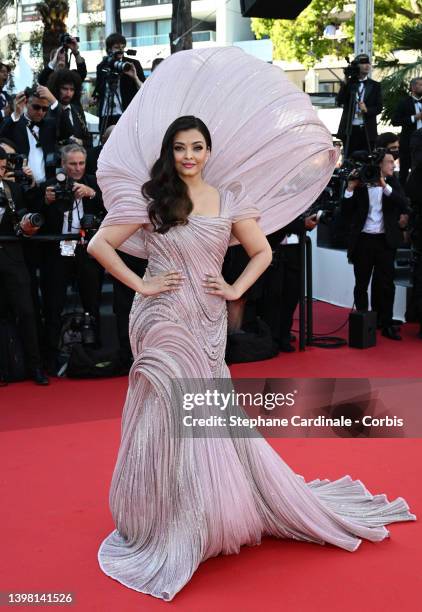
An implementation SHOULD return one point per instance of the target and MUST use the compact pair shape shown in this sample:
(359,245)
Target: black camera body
(63,190)
(65,40)
(114,65)
(366,166)
(352,71)
(34,219)
(15,162)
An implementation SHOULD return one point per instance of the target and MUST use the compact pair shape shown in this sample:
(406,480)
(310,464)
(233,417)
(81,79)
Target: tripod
(112,94)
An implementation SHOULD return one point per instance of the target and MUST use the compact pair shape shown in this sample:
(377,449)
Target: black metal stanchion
(309,292)
(302,315)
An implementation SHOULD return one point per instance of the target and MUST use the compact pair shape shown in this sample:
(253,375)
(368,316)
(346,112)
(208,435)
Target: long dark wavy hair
(169,201)
(58,78)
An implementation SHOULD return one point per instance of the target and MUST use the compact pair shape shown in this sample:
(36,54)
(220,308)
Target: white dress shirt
(68,113)
(77,214)
(418,109)
(374,223)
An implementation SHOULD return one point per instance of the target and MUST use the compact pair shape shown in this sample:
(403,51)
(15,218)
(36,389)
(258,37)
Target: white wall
(333,279)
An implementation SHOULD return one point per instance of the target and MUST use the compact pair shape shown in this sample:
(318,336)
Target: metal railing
(145,41)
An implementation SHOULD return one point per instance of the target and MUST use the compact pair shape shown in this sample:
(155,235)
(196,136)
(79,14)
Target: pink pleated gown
(176,501)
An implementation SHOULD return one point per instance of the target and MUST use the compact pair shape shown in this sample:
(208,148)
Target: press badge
(67,248)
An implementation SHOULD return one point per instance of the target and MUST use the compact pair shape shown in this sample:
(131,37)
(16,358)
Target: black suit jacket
(78,128)
(16,131)
(46,72)
(128,87)
(373,100)
(28,200)
(54,213)
(402,116)
(355,211)
(3,104)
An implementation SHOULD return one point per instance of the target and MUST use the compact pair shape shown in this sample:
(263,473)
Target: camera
(352,71)
(64,189)
(89,225)
(34,219)
(365,166)
(65,40)
(116,66)
(15,162)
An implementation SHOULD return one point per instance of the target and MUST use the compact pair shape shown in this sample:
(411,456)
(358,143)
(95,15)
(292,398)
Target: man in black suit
(5,98)
(34,134)
(373,213)
(408,114)
(68,259)
(281,288)
(112,105)
(15,286)
(64,87)
(364,100)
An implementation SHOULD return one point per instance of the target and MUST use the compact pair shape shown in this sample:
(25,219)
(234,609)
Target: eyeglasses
(39,107)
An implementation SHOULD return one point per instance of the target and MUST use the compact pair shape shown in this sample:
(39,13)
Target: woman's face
(190,153)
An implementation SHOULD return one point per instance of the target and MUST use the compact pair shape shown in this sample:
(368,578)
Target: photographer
(72,207)
(281,289)
(5,98)
(14,278)
(414,192)
(34,134)
(408,114)
(64,87)
(116,86)
(59,60)
(373,212)
(361,99)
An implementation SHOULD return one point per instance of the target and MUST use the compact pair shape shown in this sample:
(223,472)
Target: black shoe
(286,347)
(390,332)
(396,322)
(39,377)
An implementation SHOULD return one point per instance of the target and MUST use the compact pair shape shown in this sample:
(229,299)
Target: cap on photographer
(15,220)
(72,206)
(34,134)
(361,99)
(373,207)
(116,86)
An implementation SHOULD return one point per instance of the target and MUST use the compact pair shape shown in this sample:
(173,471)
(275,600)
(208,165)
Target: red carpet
(58,448)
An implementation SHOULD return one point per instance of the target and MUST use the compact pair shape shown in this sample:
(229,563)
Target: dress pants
(122,303)
(58,271)
(282,291)
(372,255)
(15,291)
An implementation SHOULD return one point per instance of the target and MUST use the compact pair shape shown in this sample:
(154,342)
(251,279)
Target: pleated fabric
(268,143)
(177,500)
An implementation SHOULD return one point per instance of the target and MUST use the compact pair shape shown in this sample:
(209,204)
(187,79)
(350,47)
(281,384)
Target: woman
(177,500)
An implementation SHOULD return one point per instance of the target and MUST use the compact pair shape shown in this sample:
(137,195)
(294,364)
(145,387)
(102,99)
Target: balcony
(146,41)
(132,3)
(90,6)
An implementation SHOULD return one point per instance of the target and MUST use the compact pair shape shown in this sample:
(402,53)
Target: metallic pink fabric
(178,500)
(268,143)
